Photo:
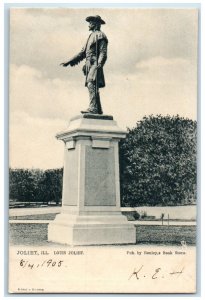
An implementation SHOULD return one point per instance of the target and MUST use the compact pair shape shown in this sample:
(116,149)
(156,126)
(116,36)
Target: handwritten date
(49,263)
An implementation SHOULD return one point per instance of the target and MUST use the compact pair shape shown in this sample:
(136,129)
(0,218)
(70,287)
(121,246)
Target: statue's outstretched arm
(75,60)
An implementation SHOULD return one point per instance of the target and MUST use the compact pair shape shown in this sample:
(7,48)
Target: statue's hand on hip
(99,66)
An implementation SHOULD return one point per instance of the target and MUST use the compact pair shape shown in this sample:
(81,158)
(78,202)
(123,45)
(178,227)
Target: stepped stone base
(91,191)
(91,230)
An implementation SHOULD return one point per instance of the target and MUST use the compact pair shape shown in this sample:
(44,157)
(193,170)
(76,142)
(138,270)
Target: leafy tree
(24,184)
(35,185)
(158,162)
(50,186)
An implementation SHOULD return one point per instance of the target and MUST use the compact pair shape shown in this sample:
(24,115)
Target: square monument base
(91,230)
(91,187)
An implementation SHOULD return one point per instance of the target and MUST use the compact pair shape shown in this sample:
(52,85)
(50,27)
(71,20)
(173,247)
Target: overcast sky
(151,69)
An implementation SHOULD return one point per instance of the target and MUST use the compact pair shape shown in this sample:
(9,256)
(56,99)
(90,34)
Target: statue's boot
(99,107)
(94,106)
(88,112)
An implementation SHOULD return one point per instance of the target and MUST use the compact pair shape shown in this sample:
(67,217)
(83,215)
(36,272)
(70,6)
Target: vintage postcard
(102,150)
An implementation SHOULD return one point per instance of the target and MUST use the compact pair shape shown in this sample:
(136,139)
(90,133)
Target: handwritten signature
(157,273)
(49,263)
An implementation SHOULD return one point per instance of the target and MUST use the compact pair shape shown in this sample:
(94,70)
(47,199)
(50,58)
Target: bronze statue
(95,53)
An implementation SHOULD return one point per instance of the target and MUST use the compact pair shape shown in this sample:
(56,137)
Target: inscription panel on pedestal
(99,177)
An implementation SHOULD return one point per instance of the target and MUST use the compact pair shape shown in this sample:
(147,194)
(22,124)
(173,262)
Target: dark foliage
(158,162)
(35,185)
(50,186)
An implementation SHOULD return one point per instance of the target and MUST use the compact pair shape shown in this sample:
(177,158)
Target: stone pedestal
(91,194)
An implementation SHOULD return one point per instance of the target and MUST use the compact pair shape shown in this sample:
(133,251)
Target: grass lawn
(28,234)
(165,234)
(36,234)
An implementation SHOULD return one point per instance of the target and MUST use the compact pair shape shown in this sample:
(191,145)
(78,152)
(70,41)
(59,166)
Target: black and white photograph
(103,150)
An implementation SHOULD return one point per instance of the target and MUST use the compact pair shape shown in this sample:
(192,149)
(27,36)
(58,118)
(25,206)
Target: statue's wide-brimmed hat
(96,19)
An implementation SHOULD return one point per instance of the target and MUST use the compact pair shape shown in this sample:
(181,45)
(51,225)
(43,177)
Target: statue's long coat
(95,52)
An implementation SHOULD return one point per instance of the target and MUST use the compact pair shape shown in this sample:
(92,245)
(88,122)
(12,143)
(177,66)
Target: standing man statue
(95,53)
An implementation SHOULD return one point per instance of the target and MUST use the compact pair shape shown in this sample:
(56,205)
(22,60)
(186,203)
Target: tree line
(34,185)
(158,166)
